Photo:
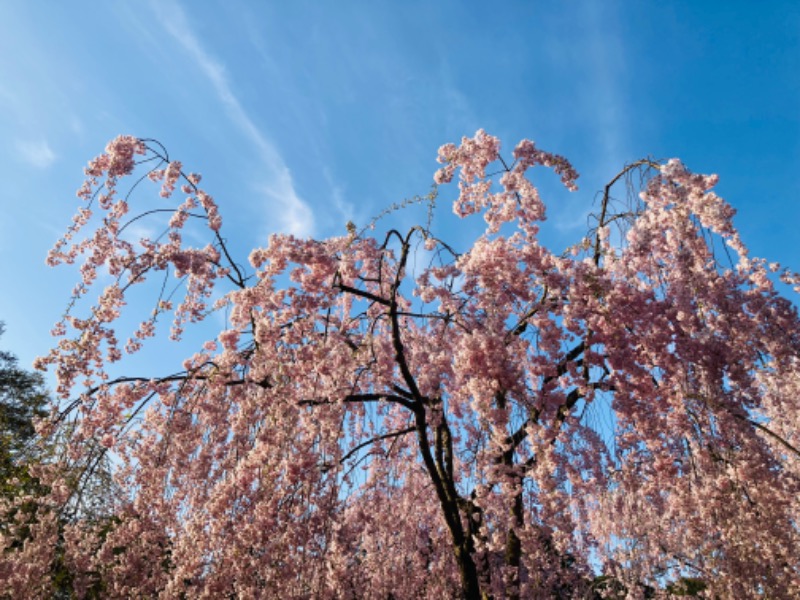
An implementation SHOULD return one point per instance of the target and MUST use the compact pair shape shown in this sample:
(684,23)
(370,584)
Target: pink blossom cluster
(519,199)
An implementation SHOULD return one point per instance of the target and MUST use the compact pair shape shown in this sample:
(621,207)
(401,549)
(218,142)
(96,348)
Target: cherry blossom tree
(395,416)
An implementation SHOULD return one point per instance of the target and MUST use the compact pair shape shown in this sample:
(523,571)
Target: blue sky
(303,115)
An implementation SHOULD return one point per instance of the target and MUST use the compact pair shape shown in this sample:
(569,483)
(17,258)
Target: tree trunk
(470,585)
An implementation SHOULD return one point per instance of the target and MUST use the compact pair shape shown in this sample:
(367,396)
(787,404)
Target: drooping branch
(782,441)
(603,219)
(161,153)
(386,436)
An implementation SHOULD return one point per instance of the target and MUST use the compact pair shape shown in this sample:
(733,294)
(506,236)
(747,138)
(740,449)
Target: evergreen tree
(23,399)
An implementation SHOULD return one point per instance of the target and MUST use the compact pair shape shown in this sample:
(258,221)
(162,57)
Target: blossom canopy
(398,416)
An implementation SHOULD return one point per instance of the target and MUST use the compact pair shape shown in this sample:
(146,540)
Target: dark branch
(379,438)
(360,293)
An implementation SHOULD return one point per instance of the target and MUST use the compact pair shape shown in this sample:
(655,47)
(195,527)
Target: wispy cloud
(345,211)
(588,68)
(606,59)
(36,153)
(294,215)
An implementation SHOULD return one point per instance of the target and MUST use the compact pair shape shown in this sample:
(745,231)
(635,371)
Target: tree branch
(379,438)
(607,196)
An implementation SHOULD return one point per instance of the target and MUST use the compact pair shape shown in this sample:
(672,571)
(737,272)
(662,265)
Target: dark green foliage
(22,400)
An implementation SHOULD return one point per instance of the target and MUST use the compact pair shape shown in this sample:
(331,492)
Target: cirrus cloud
(36,153)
